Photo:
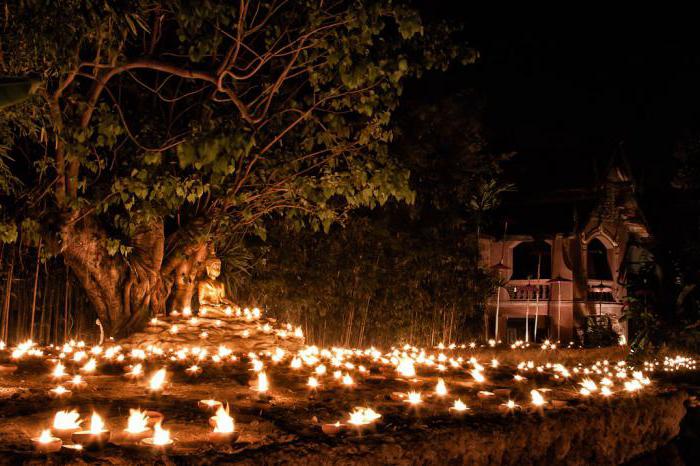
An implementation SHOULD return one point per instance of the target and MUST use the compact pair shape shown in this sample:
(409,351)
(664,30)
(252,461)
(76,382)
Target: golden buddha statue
(212,293)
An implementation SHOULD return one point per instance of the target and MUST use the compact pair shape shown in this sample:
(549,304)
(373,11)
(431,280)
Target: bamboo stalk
(65,310)
(36,283)
(6,303)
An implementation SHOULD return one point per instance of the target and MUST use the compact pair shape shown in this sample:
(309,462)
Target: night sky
(565,98)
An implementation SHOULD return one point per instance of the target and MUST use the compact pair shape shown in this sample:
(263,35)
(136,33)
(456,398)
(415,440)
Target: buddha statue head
(213,264)
(213,268)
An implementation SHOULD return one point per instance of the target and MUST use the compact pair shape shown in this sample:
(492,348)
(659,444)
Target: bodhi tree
(160,127)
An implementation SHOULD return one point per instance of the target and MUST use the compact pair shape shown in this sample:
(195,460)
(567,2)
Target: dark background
(565,97)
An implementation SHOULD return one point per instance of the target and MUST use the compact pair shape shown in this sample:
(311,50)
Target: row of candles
(344,363)
(142,426)
(404,364)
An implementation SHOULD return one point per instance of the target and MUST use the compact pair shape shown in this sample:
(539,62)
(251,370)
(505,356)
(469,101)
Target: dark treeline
(401,272)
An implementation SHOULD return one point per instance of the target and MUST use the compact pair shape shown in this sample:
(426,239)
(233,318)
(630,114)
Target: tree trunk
(124,291)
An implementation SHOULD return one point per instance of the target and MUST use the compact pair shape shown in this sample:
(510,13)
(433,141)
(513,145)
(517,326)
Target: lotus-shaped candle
(413,398)
(65,423)
(137,425)
(363,417)
(458,407)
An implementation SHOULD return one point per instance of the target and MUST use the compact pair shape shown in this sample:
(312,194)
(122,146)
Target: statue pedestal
(237,334)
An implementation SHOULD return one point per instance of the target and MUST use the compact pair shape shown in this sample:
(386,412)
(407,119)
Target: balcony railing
(529,292)
(600,291)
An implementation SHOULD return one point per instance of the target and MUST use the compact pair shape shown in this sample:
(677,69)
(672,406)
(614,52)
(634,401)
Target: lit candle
(313,383)
(538,401)
(60,392)
(478,376)
(509,406)
(224,427)
(363,417)
(59,371)
(209,405)
(135,372)
(155,385)
(458,407)
(46,443)
(65,423)
(440,388)
(263,385)
(347,380)
(77,381)
(137,425)
(413,398)
(332,429)
(94,438)
(161,438)
(406,368)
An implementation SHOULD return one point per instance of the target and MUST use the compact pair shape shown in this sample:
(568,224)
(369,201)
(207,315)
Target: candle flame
(347,380)
(160,436)
(537,398)
(414,398)
(263,384)
(138,422)
(60,390)
(89,366)
(97,425)
(406,367)
(67,420)
(589,386)
(45,436)
(363,416)
(224,422)
(459,405)
(156,382)
(478,376)
(510,404)
(440,388)
(59,370)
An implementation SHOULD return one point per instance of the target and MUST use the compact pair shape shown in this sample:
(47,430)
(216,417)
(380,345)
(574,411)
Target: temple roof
(559,195)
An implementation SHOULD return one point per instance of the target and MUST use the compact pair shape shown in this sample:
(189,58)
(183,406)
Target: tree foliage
(401,273)
(160,126)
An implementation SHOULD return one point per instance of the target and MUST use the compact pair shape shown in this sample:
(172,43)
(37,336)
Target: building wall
(559,306)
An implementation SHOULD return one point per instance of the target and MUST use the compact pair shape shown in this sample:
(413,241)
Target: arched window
(598,266)
(526,257)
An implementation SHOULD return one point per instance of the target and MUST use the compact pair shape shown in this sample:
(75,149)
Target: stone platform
(241,334)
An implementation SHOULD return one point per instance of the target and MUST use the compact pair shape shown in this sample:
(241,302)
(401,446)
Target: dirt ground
(285,425)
